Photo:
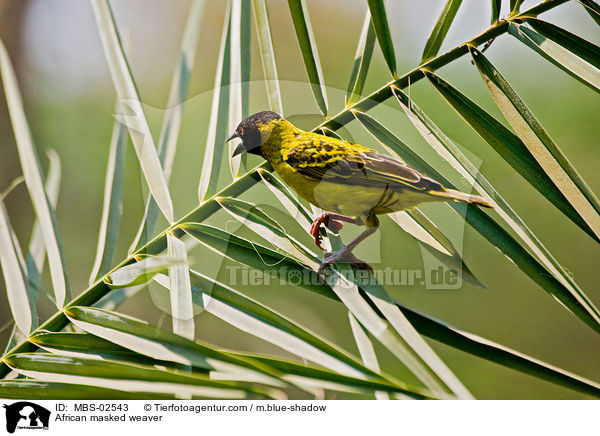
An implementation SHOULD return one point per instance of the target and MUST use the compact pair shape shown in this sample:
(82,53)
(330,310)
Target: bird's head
(254,131)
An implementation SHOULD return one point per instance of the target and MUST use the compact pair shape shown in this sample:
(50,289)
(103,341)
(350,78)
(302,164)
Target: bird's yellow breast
(281,140)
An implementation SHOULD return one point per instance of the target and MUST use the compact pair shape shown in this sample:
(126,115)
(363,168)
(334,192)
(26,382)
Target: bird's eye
(241,132)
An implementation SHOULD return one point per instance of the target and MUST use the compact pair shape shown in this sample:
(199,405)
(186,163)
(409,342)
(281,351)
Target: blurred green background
(69,101)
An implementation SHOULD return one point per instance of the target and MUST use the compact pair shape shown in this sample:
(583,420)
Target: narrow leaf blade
(15,278)
(171,124)
(34,180)
(496,6)
(267,55)
(219,116)
(129,100)
(112,204)
(561,57)
(182,311)
(578,46)
(440,29)
(508,146)
(36,256)
(362,61)
(560,284)
(592,8)
(382,30)
(235,80)
(27,389)
(539,143)
(308,47)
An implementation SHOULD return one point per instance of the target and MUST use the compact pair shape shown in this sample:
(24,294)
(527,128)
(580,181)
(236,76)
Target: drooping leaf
(581,47)
(15,278)
(560,56)
(539,143)
(493,352)
(33,174)
(508,146)
(563,287)
(171,124)
(132,113)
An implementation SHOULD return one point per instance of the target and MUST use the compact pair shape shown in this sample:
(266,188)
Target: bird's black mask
(249,131)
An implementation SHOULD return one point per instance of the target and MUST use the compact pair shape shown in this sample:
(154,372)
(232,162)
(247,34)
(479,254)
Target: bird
(350,182)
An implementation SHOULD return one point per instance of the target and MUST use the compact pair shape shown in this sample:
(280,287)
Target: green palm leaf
(306,40)
(509,146)
(440,29)
(34,179)
(539,143)
(362,61)
(382,30)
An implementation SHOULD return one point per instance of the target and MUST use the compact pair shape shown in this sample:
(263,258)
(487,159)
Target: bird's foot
(332,221)
(342,256)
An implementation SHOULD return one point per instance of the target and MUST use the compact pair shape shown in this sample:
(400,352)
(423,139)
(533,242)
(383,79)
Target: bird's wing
(338,161)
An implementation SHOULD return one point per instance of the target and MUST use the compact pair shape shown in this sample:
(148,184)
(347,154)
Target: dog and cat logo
(26,415)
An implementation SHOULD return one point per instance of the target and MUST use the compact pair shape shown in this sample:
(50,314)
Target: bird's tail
(451,194)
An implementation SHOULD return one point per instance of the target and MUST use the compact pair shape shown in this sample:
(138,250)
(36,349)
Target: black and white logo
(26,415)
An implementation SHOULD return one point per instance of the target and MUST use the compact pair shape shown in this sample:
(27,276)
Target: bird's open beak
(240,148)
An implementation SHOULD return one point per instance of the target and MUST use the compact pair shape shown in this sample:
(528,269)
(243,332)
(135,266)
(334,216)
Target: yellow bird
(353,183)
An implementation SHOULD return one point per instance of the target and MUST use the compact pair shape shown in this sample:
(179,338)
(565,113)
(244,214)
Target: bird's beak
(239,150)
(232,136)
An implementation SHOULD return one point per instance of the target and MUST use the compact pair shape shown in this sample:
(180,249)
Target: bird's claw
(334,257)
(329,222)
(315,232)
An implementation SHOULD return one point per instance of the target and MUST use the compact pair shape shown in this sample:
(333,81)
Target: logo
(26,415)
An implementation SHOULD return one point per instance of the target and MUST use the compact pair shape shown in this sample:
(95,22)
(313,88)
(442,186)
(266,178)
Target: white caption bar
(298,417)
